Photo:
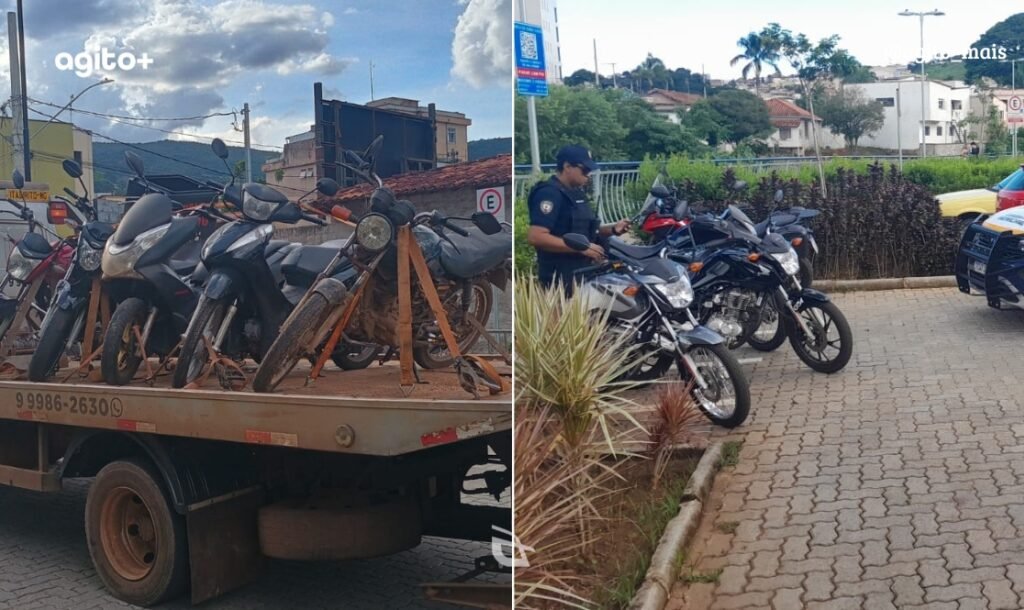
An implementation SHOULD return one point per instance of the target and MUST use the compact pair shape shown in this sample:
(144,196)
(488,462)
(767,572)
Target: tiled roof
(778,108)
(492,171)
(683,99)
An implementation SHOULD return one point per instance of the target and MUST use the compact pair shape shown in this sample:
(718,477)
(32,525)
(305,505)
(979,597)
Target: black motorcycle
(254,281)
(65,321)
(743,281)
(151,269)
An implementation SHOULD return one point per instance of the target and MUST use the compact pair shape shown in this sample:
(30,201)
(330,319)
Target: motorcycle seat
(304,263)
(34,246)
(274,245)
(474,254)
(637,253)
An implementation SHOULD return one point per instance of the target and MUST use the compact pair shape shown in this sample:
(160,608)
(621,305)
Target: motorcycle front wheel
(121,354)
(830,345)
(434,353)
(194,354)
(52,341)
(726,398)
(292,343)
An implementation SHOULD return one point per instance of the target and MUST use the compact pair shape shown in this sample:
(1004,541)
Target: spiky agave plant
(570,412)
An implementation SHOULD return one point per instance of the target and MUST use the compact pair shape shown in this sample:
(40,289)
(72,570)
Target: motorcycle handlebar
(455,227)
(313,219)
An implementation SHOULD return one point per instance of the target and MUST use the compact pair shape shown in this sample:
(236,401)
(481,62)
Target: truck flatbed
(358,412)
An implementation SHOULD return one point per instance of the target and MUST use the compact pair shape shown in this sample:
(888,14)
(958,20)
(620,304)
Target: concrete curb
(893,283)
(663,571)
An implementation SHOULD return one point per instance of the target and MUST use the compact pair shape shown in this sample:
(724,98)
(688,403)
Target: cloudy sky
(212,56)
(687,33)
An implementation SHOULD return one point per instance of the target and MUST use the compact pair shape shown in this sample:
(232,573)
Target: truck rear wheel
(137,541)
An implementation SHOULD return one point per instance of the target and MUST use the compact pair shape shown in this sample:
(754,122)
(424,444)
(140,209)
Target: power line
(127,121)
(232,114)
(139,148)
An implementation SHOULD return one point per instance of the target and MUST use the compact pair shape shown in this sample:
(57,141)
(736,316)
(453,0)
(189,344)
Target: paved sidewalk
(897,483)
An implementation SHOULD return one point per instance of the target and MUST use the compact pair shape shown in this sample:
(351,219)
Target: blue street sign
(531,78)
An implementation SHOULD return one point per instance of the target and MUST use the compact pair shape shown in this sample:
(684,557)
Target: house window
(927,130)
(78,157)
(942,104)
(785,133)
(938,130)
(956,104)
(888,102)
(451,135)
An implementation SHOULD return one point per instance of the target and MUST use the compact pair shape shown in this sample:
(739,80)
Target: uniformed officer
(559,206)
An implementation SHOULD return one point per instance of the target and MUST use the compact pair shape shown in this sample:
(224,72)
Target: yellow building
(50,144)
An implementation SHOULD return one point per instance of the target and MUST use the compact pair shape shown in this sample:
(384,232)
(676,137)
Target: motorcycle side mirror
(353,158)
(327,186)
(739,185)
(779,195)
(370,154)
(219,148)
(660,191)
(18,179)
(72,168)
(134,161)
(576,241)
(486,222)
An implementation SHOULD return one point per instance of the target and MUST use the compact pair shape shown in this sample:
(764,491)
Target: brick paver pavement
(45,564)
(897,483)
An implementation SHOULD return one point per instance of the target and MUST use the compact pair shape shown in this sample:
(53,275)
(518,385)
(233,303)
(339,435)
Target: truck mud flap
(223,543)
(990,263)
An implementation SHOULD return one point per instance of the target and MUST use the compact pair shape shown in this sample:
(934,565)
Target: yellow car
(966,205)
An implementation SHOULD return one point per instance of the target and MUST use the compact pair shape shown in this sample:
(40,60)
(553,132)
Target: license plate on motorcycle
(978,267)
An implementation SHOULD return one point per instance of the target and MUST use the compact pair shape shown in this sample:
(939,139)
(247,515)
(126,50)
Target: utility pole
(921,15)
(248,149)
(371,80)
(1013,92)
(899,128)
(615,84)
(704,80)
(18,139)
(26,151)
(597,72)
(531,114)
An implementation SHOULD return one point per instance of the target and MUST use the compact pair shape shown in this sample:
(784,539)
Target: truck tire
(137,541)
(335,529)
(52,342)
(290,344)
(120,358)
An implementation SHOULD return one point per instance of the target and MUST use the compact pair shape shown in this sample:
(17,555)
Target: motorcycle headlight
(678,293)
(374,232)
(257,209)
(89,258)
(789,261)
(18,266)
(119,261)
(212,239)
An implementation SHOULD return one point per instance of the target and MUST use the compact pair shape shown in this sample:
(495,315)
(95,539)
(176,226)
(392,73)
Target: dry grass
(677,414)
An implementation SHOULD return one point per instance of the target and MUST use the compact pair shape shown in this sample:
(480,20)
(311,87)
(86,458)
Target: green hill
(481,149)
(164,157)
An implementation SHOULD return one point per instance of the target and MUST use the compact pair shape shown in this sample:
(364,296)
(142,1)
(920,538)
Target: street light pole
(68,105)
(921,15)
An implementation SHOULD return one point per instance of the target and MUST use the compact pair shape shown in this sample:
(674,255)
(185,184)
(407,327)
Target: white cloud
(482,46)
(324,64)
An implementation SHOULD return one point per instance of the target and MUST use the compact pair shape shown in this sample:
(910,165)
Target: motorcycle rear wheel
(435,354)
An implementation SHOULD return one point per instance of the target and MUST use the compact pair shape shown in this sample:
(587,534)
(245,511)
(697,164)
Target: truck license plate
(978,267)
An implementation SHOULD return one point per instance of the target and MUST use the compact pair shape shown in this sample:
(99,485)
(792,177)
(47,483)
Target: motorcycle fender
(221,283)
(809,296)
(332,290)
(698,336)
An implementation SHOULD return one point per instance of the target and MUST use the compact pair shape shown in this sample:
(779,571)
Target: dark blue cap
(576,155)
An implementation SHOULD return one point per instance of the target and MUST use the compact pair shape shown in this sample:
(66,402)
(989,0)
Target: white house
(944,107)
(669,103)
(793,135)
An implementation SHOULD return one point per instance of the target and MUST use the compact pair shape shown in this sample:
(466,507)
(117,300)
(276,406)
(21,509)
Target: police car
(990,259)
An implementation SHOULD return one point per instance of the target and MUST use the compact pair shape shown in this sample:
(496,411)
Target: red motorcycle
(33,269)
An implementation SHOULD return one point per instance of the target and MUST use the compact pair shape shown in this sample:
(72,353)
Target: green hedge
(937,175)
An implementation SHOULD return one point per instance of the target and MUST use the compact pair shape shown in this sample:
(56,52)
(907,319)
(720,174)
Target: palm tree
(759,52)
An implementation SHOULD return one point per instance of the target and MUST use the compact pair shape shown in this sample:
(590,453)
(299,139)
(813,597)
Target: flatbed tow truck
(194,488)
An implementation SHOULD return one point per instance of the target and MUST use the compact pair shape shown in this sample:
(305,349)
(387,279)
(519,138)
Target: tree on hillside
(570,115)
(648,133)
(579,77)
(759,51)
(849,112)
(705,122)
(847,69)
(742,113)
(1007,34)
